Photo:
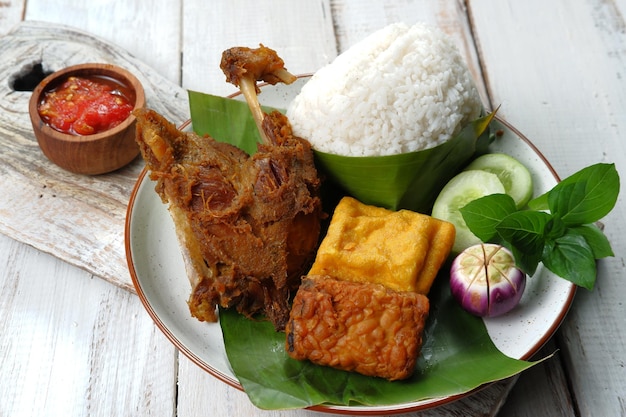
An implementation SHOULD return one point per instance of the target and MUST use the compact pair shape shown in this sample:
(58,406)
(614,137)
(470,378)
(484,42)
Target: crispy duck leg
(248,225)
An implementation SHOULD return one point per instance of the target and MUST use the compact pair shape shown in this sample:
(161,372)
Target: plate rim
(421,405)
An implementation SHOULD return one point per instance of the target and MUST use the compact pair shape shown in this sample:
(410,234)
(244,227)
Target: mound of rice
(401,89)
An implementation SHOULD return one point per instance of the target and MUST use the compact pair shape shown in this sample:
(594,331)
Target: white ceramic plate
(158,273)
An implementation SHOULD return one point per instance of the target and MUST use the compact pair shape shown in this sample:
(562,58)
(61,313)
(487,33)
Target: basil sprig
(558,227)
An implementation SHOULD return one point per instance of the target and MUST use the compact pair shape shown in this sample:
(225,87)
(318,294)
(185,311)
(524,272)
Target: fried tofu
(402,250)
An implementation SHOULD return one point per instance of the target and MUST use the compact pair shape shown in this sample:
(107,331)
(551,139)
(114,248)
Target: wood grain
(301,32)
(79,219)
(150,30)
(557,69)
(67,340)
(564,110)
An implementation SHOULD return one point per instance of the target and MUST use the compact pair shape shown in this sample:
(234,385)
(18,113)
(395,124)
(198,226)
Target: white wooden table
(75,339)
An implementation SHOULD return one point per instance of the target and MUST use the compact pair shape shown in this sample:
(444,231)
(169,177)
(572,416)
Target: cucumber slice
(460,190)
(515,177)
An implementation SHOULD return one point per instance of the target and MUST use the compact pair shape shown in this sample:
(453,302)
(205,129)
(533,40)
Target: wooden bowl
(94,154)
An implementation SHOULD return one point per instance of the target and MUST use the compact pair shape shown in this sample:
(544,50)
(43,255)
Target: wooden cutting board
(77,218)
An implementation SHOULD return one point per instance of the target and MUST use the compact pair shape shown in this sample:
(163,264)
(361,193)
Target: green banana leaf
(410,181)
(226,120)
(457,357)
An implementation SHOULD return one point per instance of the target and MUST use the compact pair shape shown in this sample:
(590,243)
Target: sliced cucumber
(460,190)
(515,177)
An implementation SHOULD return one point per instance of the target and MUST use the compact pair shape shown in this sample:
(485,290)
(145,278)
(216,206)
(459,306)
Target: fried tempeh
(361,327)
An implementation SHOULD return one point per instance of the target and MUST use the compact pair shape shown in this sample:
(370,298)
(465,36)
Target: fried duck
(248,225)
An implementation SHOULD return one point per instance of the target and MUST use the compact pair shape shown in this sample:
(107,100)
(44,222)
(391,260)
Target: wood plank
(543,387)
(301,33)
(147,29)
(68,339)
(78,218)
(562,111)
(609,296)
(11,13)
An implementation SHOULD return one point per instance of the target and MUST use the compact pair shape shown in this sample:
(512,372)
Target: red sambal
(85,105)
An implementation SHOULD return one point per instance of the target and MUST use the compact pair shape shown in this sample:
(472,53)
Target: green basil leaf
(560,200)
(598,242)
(554,228)
(539,203)
(526,261)
(524,233)
(586,196)
(525,229)
(571,257)
(457,356)
(483,215)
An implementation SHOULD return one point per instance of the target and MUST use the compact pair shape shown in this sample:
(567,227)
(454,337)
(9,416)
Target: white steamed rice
(401,89)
